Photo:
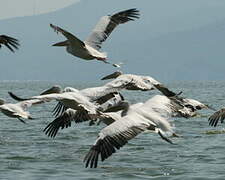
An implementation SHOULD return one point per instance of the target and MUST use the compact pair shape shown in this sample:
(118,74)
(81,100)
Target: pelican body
(89,49)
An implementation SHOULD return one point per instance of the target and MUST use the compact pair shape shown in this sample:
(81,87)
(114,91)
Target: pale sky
(18,8)
(172,40)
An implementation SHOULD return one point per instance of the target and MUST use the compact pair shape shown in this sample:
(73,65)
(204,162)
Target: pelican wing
(114,137)
(102,93)
(109,118)
(116,106)
(12,95)
(114,95)
(130,82)
(53,89)
(112,76)
(70,98)
(162,105)
(196,105)
(9,42)
(59,109)
(214,118)
(107,24)
(64,120)
(139,85)
(72,39)
(28,103)
(164,90)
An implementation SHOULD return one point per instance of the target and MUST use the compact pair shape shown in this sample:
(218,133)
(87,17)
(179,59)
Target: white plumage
(89,49)
(138,118)
(18,110)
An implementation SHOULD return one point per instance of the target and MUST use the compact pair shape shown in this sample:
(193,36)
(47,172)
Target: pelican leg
(176,135)
(102,60)
(22,120)
(165,138)
(31,118)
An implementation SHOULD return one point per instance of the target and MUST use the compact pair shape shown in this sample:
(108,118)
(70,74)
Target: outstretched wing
(117,134)
(130,82)
(107,24)
(72,39)
(9,42)
(111,138)
(65,120)
(57,111)
(28,103)
(214,119)
(12,95)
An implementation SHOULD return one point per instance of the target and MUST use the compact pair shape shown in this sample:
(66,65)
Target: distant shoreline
(33,8)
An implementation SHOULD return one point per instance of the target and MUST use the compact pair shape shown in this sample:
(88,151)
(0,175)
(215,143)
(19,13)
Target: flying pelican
(123,129)
(190,105)
(18,110)
(136,82)
(73,100)
(140,82)
(117,106)
(113,109)
(216,117)
(9,42)
(89,49)
(114,104)
(85,109)
(95,94)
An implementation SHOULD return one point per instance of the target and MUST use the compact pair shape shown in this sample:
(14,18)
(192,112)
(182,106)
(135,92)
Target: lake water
(27,153)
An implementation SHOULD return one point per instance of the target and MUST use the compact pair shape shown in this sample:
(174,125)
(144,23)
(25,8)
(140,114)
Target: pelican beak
(54,89)
(63,43)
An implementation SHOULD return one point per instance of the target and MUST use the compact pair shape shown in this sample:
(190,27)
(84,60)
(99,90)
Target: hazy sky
(175,39)
(15,8)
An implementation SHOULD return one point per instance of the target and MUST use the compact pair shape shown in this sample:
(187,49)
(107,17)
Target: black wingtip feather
(105,147)
(9,42)
(125,16)
(52,128)
(12,95)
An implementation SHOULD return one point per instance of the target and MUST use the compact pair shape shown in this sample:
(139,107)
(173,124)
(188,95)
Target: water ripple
(27,153)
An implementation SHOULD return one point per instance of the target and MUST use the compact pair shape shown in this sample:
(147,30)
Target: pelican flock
(123,121)
(106,105)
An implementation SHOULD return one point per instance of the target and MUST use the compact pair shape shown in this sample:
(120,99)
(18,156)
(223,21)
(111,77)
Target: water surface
(27,153)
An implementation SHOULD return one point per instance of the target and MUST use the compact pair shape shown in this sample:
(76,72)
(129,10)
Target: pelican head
(2,101)
(70,89)
(53,89)
(126,107)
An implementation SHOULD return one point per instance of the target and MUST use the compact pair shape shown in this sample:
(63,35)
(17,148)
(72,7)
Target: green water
(27,153)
